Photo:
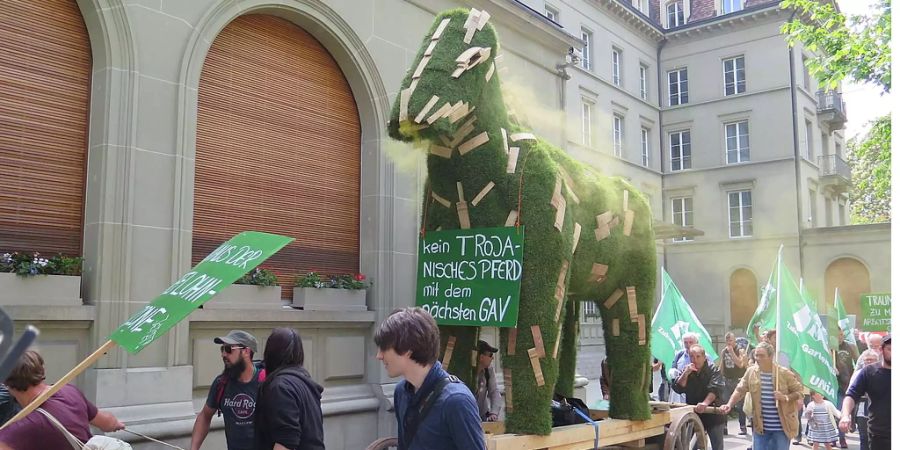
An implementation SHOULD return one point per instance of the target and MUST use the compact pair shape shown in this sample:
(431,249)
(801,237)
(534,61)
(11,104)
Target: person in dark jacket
(288,408)
(703,385)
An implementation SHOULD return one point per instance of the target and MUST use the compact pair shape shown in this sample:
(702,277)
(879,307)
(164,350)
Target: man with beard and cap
(289,411)
(233,393)
(873,380)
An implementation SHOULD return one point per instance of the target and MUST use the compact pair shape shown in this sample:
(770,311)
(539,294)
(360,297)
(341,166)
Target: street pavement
(735,442)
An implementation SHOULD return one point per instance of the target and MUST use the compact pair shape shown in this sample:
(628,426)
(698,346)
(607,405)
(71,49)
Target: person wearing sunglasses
(487,395)
(233,393)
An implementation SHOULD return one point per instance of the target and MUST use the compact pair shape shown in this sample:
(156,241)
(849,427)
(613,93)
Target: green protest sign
(471,277)
(217,271)
(875,312)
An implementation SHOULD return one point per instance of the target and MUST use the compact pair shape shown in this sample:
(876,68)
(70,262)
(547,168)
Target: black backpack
(563,411)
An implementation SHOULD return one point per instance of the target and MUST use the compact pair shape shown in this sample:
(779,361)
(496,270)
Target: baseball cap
(484,347)
(238,337)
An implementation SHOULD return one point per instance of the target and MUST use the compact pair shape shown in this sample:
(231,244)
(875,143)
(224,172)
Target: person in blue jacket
(434,410)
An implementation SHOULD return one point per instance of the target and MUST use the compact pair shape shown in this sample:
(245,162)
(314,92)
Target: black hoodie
(289,411)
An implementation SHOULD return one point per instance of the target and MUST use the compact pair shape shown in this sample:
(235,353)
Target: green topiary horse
(588,237)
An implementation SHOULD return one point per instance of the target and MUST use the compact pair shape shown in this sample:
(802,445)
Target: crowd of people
(769,398)
(275,404)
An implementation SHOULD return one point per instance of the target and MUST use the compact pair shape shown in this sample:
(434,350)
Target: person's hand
(780,396)
(605,396)
(119,426)
(726,408)
(844,424)
(491,417)
(700,408)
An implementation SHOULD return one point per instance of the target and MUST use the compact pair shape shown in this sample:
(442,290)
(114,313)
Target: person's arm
(682,380)
(201,427)
(279,447)
(854,392)
(107,422)
(284,414)
(604,379)
(460,413)
(739,392)
(494,395)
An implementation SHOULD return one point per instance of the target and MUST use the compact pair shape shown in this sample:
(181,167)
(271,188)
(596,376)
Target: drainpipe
(797,179)
(662,139)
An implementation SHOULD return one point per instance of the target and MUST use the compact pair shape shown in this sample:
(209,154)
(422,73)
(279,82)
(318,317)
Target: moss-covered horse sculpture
(587,237)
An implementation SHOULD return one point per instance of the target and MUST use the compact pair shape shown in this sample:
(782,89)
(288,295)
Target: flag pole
(777,314)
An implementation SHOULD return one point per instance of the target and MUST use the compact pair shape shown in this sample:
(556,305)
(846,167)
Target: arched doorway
(278,148)
(744,297)
(45,86)
(851,277)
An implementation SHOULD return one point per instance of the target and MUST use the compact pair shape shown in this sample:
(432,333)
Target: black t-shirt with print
(875,380)
(238,406)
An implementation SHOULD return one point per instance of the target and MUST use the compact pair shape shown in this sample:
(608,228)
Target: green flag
(802,337)
(843,321)
(673,318)
(217,271)
(764,317)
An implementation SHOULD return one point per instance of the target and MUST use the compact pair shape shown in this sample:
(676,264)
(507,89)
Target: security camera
(574,55)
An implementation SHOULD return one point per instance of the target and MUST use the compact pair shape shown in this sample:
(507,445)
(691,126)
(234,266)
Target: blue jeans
(771,440)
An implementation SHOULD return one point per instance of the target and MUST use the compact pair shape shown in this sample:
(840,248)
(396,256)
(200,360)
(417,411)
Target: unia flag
(673,318)
(764,316)
(802,336)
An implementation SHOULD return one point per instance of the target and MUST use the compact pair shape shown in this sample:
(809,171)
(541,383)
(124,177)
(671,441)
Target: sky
(864,101)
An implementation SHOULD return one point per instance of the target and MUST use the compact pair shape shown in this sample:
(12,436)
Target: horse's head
(444,84)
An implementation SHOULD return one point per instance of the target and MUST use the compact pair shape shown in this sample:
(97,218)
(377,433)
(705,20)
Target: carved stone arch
(851,276)
(743,287)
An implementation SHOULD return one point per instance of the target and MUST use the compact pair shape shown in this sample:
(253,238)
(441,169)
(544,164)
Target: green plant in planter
(587,237)
(349,281)
(258,277)
(25,264)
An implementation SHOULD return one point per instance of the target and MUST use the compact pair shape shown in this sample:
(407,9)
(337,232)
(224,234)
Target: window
(683,215)
(808,148)
(586,60)
(734,75)
(674,14)
(618,124)
(587,110)
(645,147)
(842,214)
(678,87)
(806,80)
(643,78)
(813,209)
(551,13)
(730,6)
(740,214)
(616,67)
(737,142)
(680,150)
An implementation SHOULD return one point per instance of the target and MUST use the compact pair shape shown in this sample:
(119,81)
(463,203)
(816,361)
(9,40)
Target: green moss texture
(540,168)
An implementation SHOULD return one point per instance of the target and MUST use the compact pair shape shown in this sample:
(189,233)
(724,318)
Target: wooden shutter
(278,148)
(45,77)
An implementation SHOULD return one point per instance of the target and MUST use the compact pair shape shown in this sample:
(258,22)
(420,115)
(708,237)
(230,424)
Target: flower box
(329,299)
(247,296)
(40,290)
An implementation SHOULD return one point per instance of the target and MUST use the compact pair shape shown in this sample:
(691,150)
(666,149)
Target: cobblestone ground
(735,442)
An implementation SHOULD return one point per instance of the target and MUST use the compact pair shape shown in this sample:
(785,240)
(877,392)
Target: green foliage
(258,277)
(349,281)
(631,260)
(870,162)
(25,264)
(847,46)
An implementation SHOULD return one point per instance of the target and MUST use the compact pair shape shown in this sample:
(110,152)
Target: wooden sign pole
(40,399)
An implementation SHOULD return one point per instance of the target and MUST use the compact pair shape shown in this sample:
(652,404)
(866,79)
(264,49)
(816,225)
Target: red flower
(359,277)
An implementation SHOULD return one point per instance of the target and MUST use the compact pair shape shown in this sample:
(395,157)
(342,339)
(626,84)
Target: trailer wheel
(685,433)
(383,444)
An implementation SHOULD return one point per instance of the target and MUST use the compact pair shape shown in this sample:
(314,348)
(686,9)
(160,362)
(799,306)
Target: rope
(593,423)
(151,439)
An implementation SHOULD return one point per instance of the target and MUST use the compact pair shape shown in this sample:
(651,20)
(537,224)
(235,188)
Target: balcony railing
(834,165)
(830,100)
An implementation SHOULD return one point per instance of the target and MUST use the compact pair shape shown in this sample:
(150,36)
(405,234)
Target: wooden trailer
(671,427)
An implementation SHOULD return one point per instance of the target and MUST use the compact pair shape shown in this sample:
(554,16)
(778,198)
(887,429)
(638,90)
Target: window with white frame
(551,13)
(587,110)
(643,80)
(737,142)
(683,215)
(730,6)
(618,125)
(645,147)
(586,57)
(678,87)
(808,148)
(733,69)
(617,66)
(674,14)
(680,149)
(740,214)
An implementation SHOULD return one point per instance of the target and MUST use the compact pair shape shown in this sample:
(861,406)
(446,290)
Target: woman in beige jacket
(774,391)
